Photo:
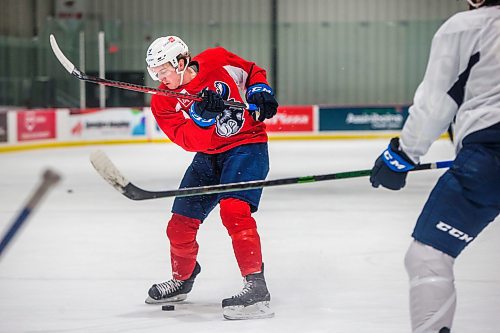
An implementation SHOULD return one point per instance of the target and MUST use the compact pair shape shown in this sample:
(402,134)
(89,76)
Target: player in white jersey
(461,86)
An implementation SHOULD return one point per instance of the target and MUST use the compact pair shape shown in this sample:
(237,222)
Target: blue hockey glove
(263,97)
(205,111)
(391,167)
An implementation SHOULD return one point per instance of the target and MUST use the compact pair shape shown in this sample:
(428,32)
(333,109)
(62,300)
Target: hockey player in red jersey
(231,146)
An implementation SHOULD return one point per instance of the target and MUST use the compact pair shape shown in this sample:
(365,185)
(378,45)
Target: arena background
(354,65)
(344,72)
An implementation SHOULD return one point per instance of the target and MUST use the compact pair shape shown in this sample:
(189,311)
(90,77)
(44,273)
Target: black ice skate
(172,290)
(252,302)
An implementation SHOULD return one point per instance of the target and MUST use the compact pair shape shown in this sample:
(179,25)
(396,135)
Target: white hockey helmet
(163,50)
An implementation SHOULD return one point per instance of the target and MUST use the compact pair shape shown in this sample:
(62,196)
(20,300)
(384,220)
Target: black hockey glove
(391,167)
(204,112)
(263,97)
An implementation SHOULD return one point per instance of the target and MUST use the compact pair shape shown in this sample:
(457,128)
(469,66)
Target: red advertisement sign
(297,118)
(36,125)
(3,127)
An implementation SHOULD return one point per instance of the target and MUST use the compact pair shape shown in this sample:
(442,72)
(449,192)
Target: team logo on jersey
(184,103)
(454,232)
(231,120)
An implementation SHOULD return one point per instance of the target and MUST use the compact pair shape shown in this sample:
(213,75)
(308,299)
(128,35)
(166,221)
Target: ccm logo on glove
(263,97)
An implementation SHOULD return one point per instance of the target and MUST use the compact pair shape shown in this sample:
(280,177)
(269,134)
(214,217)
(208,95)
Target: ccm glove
(391,167)
(205,111)
(263,97)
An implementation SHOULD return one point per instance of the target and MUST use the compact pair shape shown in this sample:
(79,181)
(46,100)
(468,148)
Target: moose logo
(231,120)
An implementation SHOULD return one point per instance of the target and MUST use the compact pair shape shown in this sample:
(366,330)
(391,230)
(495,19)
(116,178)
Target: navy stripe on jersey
(457,91)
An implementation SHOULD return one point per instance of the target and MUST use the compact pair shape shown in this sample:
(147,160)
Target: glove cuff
(396,159)
(259,87)
(200,121)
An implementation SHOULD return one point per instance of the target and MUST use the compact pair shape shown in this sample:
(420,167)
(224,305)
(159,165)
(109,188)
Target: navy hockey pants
(463,202)
(240,164)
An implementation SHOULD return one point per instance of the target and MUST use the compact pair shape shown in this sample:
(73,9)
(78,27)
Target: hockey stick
(49,179)
(73,70)
(112,175)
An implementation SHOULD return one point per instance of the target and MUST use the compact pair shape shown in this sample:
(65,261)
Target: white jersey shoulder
(458,83)
(464,21)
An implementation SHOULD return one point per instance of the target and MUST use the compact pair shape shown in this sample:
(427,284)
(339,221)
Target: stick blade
(108,170)
(60,56)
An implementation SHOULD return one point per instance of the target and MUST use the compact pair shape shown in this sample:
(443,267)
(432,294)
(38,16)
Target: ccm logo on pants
(454,232)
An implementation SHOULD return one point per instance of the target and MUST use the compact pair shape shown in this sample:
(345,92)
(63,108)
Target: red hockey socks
(241,226)
(181,232)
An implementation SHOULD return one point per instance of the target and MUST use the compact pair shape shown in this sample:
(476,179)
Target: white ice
(333,250)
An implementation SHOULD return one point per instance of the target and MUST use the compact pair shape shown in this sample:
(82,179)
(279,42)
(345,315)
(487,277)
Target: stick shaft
(50,178)
(113,176)
(73,70)
(221,188)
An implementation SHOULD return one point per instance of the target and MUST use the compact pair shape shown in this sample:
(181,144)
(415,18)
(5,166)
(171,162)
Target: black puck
(168,307)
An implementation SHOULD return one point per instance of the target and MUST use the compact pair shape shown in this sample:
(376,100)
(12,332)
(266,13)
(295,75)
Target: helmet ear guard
(163,50)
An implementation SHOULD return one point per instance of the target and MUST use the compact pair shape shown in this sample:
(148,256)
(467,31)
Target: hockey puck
(168,307)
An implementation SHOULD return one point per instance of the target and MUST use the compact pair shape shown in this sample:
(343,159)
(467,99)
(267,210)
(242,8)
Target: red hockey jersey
(228,74)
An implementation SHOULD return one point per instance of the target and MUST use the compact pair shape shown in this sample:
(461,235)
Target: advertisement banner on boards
(370,118)
(36,124)
(113,123)
(296,118)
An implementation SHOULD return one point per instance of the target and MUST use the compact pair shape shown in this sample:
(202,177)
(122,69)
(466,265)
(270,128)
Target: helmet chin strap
(183,71)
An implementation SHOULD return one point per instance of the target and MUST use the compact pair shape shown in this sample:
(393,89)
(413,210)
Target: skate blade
(177,298)
(258,310)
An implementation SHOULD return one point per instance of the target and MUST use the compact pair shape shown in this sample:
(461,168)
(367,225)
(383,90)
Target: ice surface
(333,250)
